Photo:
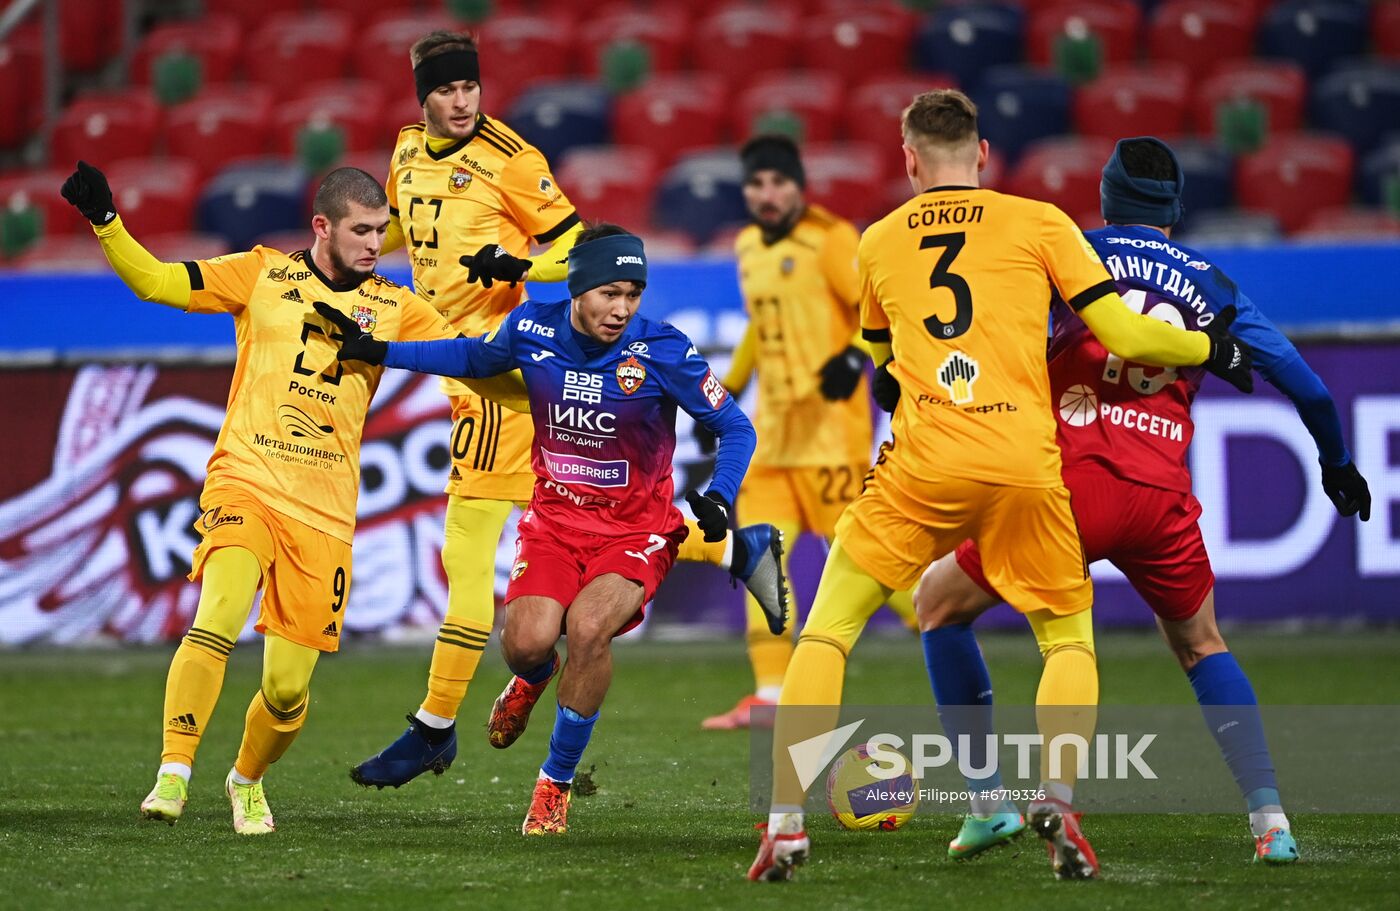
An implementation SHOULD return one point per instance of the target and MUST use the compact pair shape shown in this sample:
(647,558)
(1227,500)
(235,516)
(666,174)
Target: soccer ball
(860,798)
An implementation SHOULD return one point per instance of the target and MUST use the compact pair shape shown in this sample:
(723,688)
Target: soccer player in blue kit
(601,530)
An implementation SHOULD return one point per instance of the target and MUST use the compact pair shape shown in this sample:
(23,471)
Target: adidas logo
(185,723)
(407,178)
(330,630)
(293,295)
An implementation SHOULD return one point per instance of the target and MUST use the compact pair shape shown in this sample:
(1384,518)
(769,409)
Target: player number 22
(940,277)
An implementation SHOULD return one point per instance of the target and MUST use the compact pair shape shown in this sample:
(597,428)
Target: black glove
(356,344)
(87,190)
(1347,490)
(841,375)
(706,439)
(1229,357)
(711,514)
(885,388)
(493,263)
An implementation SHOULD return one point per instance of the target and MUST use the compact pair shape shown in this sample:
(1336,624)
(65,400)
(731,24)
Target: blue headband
(1128,200)
(616,258)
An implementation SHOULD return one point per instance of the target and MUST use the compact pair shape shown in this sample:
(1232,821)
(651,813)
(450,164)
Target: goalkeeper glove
(87,191)
(1229,357)
(1347,490)
(885,387)
(355,343)
(706,439)
(711,514)
(841,375)
(493,263)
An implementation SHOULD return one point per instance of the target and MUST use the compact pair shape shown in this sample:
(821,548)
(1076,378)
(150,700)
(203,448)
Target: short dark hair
(598,229)
(1143,158)
(944,117)
(440,41)
(344,186)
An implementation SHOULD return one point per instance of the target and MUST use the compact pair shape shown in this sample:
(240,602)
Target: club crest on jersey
(631,374)
(518,569)
(365,317)
(957,374)
(459,181)
(788,265)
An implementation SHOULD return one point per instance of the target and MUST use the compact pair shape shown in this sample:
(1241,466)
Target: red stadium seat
(1133,101)
(857,41)
(352,105)
(813,97)
(671,115)
(1200,33)
(1063,171)
(1116,23)
(612,183)
(1278,85)
(381,55)
(1294,175)
(847,177)
(518,49)
(215,40)
(39,189)
(21,89)
(63,253)
(662,31)
(250,13)
(183,246)
(873,109)
(288,241)
(221,124)
(1385,28)
(741,41)
(1348,223)
(397,113)
(106,126)
(154,195)
(664,244)
(89,32)
(310,46)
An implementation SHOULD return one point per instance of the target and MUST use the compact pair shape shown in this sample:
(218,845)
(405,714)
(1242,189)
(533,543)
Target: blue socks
(542,673)
(567,743)
(963,688)
(1232,714)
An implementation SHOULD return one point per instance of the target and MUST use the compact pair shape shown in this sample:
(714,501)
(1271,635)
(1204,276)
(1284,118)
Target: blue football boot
(408,757)
(758,563)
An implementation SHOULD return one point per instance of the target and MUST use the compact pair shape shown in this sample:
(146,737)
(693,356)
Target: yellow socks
(228,584)
(1068,696)
(770,654)
(471,532)
(695,549)
(456,653)
(278,710)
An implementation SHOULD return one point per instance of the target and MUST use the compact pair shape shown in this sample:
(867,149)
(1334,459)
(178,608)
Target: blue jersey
(1135,420)
(604,415)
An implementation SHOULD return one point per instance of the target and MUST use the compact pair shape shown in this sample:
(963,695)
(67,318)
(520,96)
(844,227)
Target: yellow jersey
(295,413)
(490,188)
(959,281)
(800,293)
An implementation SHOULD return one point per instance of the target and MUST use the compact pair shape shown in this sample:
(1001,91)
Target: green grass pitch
(669,826)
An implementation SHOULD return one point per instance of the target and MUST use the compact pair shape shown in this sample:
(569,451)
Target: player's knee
(816,638)
(285,692)
(938,603)
(523,652)
(590,635)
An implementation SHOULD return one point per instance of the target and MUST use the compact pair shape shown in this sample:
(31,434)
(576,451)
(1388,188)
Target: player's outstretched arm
(455,357)
(1135,337)
(553,264)
(86,189)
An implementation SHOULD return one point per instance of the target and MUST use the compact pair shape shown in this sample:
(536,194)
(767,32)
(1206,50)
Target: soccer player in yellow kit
(468,196)
(956,284)
(797,276)
(279,501)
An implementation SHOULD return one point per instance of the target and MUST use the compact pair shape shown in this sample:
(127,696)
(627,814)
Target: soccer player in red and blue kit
(1123,432)
(601,530)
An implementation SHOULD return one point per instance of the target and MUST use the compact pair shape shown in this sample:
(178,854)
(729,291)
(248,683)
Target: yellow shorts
(490,451)
(305,572)
(898,526)
(812,498)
